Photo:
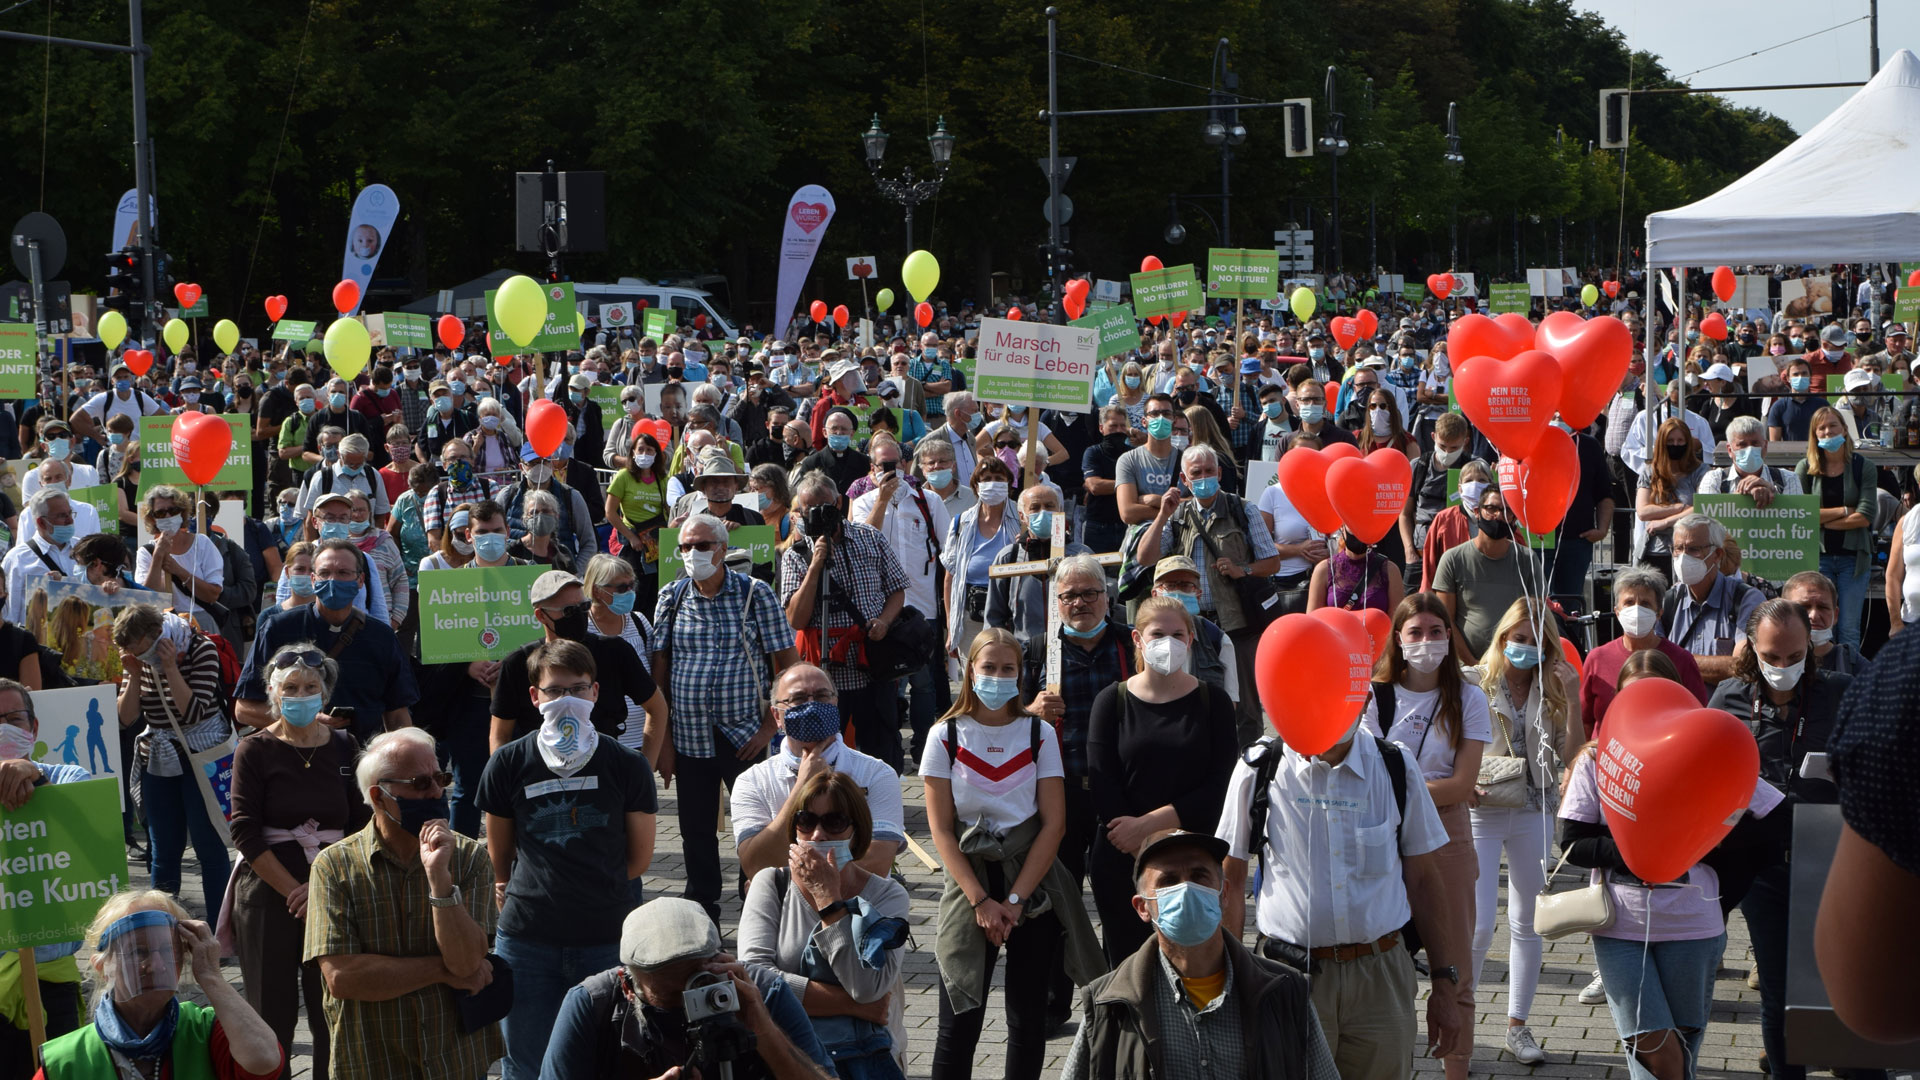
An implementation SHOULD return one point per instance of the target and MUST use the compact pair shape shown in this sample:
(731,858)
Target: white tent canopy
(1847,191)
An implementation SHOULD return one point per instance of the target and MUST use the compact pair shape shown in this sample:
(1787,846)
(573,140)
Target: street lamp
(904,189)
(1175,233)
(1456,162)
(1335,143)
(1223,130)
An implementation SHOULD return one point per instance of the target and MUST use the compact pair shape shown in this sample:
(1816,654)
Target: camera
(712,999)
(821,520)
(714,1030)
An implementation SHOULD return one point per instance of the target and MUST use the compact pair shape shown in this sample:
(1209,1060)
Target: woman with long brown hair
(1675,467)
(1421,702)
(1844,481)
(1385,427)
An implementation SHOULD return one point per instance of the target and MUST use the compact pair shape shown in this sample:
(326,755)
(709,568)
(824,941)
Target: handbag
(212,768)
(1576,911)
(1504,780)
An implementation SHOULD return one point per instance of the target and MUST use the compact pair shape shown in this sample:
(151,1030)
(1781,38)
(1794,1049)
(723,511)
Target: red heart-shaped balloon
(1714,326)
(187,293)
(276,307)
(1344,330)
(1540,487)
(1510,401)
(1723,282)
(1593,356)
(139,360)
(1369,493)
(1379,625)
(1179,319)
(1303,479)
(1914,278)
(546,427)
(1476,335)
(1311,714)
(1351,626)
(1440,285)
(201,442)
(1673,777)
(1368,322)
(1074,297)
(1611,288)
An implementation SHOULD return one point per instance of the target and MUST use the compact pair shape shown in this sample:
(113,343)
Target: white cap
(1719,371)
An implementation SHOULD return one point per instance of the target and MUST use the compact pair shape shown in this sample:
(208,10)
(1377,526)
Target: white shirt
(1288,528)
(25,570)
(962,454)
(993,775)
(906,531)
(760,792)
(86,522)
(366,483)
(83,476)
(1414,730)
(202,560)
(1725,480)
(1337,823)
(1634,451)
(136,405)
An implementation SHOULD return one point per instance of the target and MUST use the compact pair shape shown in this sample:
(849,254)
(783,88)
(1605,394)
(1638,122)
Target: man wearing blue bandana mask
(1244,1015)
(806,705)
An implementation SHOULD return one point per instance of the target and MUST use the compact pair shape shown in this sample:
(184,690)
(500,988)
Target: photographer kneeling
(743,1014)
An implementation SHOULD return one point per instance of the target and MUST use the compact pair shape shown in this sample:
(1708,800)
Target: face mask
(975,421)
(169,524)
(1040,524)
(939,478)
(336,401)
(1317,353)
(1777,350)
(1409,361)
(1471,491)
(995,690)
(1159,427)
(413,374)
(1312,414)
(62,535)
(1496,529)
(1524,657)
(1205,488)
(840,851)
(993,492)
(1187,914)
(700,565)
(1800,383)
(1637,620)
(1181,442)
(543,524)
(1382,423)
(811,721)
(1748,459)
(301,584)
(1425,657)
(567,736)
(1165,655)
(57,449)
(1782,678)
(1446,459)
(337,594)
(539,474)
(837,443)
(359,528)
(442,405)
(491,423)
(458,386)
(1693,571)
(1832,443)
(116,438)
(1677,450)
(1132,381)
(1275,410)
(15,743)
(1187,600)
(300,711)
(490,547)
(333,530)
(411,814)
(1834,354)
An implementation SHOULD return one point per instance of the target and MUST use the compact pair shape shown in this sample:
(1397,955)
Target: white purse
(1576,911)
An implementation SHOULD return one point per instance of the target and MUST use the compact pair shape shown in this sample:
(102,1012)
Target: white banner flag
(368,230)
(126,218)
(808,213)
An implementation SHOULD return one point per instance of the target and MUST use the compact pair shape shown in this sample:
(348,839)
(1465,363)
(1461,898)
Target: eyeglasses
(821,697)
(833,821)
(698,545)
(1080,596)
(312,658)
(20,718)
(420,785)
(622,587)
(1698,551)
(580,608)
(573,690)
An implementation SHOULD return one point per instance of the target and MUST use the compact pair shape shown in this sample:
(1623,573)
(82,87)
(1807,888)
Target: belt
(1341,954)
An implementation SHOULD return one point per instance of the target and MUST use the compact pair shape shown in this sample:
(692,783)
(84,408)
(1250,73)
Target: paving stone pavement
(1579,1039)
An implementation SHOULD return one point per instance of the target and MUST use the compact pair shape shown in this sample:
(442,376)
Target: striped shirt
(361,900)
(204,720)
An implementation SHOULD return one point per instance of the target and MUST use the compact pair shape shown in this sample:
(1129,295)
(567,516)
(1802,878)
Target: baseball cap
(331,496)
(665,931)
(1859,379)
(544,588)
(1718,371)
(1174,564)
(1835,334)
(581,381)
(1895,330)
(1173,840)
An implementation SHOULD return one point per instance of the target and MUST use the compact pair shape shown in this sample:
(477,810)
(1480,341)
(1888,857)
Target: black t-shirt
(569,883)
(1102,460)
(277,405)
(1833,495)
(619,674)
(842,468)
(15,645)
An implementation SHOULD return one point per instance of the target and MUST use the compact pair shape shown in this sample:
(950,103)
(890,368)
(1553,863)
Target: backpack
(229,666)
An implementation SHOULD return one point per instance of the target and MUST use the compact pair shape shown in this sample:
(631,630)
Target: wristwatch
(837,905)
(1450,973)
(444,901)
(1013,899)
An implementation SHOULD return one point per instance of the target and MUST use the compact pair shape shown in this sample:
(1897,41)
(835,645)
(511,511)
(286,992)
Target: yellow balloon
(112,329)
(885,298)
(226,335)
(921,274)
(175,333)
(314,347)
(1302,303)
(1590,295)
(347,347)
(520,307)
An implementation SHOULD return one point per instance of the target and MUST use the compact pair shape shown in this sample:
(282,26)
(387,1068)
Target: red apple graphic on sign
(809,216)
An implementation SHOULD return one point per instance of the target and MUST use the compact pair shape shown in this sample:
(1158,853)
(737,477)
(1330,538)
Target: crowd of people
(1053,618)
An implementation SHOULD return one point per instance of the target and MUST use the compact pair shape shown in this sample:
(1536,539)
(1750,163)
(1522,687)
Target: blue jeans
(928,696)
(463,749)
(542,975)
(1853,595)
(1567,564)
(1668,986)
(175,812)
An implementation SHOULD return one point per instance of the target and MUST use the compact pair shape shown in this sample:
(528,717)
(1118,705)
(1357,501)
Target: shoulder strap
(1033,745)
(782,877)
(51,565)
(1383,704)
(352,630)
(1396,775)
(1266,762)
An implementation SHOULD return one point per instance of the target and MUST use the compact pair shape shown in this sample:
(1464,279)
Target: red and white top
(994,776)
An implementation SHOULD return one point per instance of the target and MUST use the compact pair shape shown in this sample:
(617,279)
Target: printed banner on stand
(374,212)
(808,214)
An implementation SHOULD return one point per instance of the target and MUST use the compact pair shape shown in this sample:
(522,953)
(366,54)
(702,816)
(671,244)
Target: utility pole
(1053,159)
(1873,38)
(1373,200)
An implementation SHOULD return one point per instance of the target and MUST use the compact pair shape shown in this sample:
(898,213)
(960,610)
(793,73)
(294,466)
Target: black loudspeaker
(578,216)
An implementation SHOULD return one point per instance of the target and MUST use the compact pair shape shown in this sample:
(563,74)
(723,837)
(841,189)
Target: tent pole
(1680,349)
(1650,309)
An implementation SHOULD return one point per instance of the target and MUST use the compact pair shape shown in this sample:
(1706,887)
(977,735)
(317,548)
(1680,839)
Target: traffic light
(1613,119)
(123,275)
(1297,119)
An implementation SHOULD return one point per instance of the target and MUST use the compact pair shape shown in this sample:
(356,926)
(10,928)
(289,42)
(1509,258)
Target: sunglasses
(423,784)
(312,658)
(833,821)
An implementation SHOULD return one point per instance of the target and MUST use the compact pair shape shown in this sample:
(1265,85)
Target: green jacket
(1860,495)
(80,1055)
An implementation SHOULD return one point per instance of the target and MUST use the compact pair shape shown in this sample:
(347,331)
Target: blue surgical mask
(336,401)
(929,353)
(1093,631)
(306,406)
(974,421)
(117,438)
(1748,459)
(1521,656)
(1040,524)
(1132,381)
(458,386)
(622,603)
(333,530)
(57,449)
(1312,414)
(1205,488)
(337,594)
(1800,383)
(443,405)
(1832,443)
(940,478)
(837,443)
(301,584)
(1159,427)
(1317,353)
(62,535)
(995,690)
(1187,914)
(1187,600)
(301,711)
(841,851)
(490,547)
(359,528)
(124,386)
(1275,410)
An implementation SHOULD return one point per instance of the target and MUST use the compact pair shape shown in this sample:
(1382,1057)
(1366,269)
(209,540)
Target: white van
(684,302)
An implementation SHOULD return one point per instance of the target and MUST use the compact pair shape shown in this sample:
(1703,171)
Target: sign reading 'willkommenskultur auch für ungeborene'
(61,856)
(1776,542)
(476,613)
(1037,364)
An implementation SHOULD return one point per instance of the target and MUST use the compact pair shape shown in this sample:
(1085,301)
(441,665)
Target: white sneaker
(1525,1050)
(1595,992)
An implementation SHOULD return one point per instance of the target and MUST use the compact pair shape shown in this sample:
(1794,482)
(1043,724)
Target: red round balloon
(1540,487)
(1150,263)
(276,307)
(1302,474)
(818,309)
(700,322)
(1369,493)
(1673,777)
(923,313)
(840,315)
(201,443)
(640,304)
(452,331)
(1593,355)
(345,296)
(1723,283)
(1368,322)
(1344,330)
(1510,401)
(546,427)
(1311,714)
(1014,313)
(1714,326)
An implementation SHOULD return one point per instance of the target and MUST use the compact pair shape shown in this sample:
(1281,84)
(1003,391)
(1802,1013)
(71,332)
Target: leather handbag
(1576,911)
(1504,780)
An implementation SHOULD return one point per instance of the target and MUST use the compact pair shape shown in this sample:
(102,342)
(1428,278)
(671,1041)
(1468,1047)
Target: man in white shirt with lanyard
(121,399)
(1334,822)
(49,552)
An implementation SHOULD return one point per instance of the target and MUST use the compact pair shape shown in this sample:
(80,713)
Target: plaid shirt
(1258,538)
(1083,674)
(443,497)
(1198,1042)
(413,405)
(713,682)
(864,564)
(1241,436)
(364,901)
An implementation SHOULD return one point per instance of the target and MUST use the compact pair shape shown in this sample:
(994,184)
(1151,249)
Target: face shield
(141,955)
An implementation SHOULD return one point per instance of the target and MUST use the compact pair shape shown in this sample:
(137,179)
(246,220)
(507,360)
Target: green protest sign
(201,309)
(158,466)
(1906,305)
(476,613)
(1119,330)
(104,498)
(658,323)
(61,855)
(294,330)
(1415,293)
(863,419)
(1165,291)
(19,360)
(1776,542)
(559,333)
(757,540)
(1510,298)
(608,398)
(408,331)
(1243,273)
